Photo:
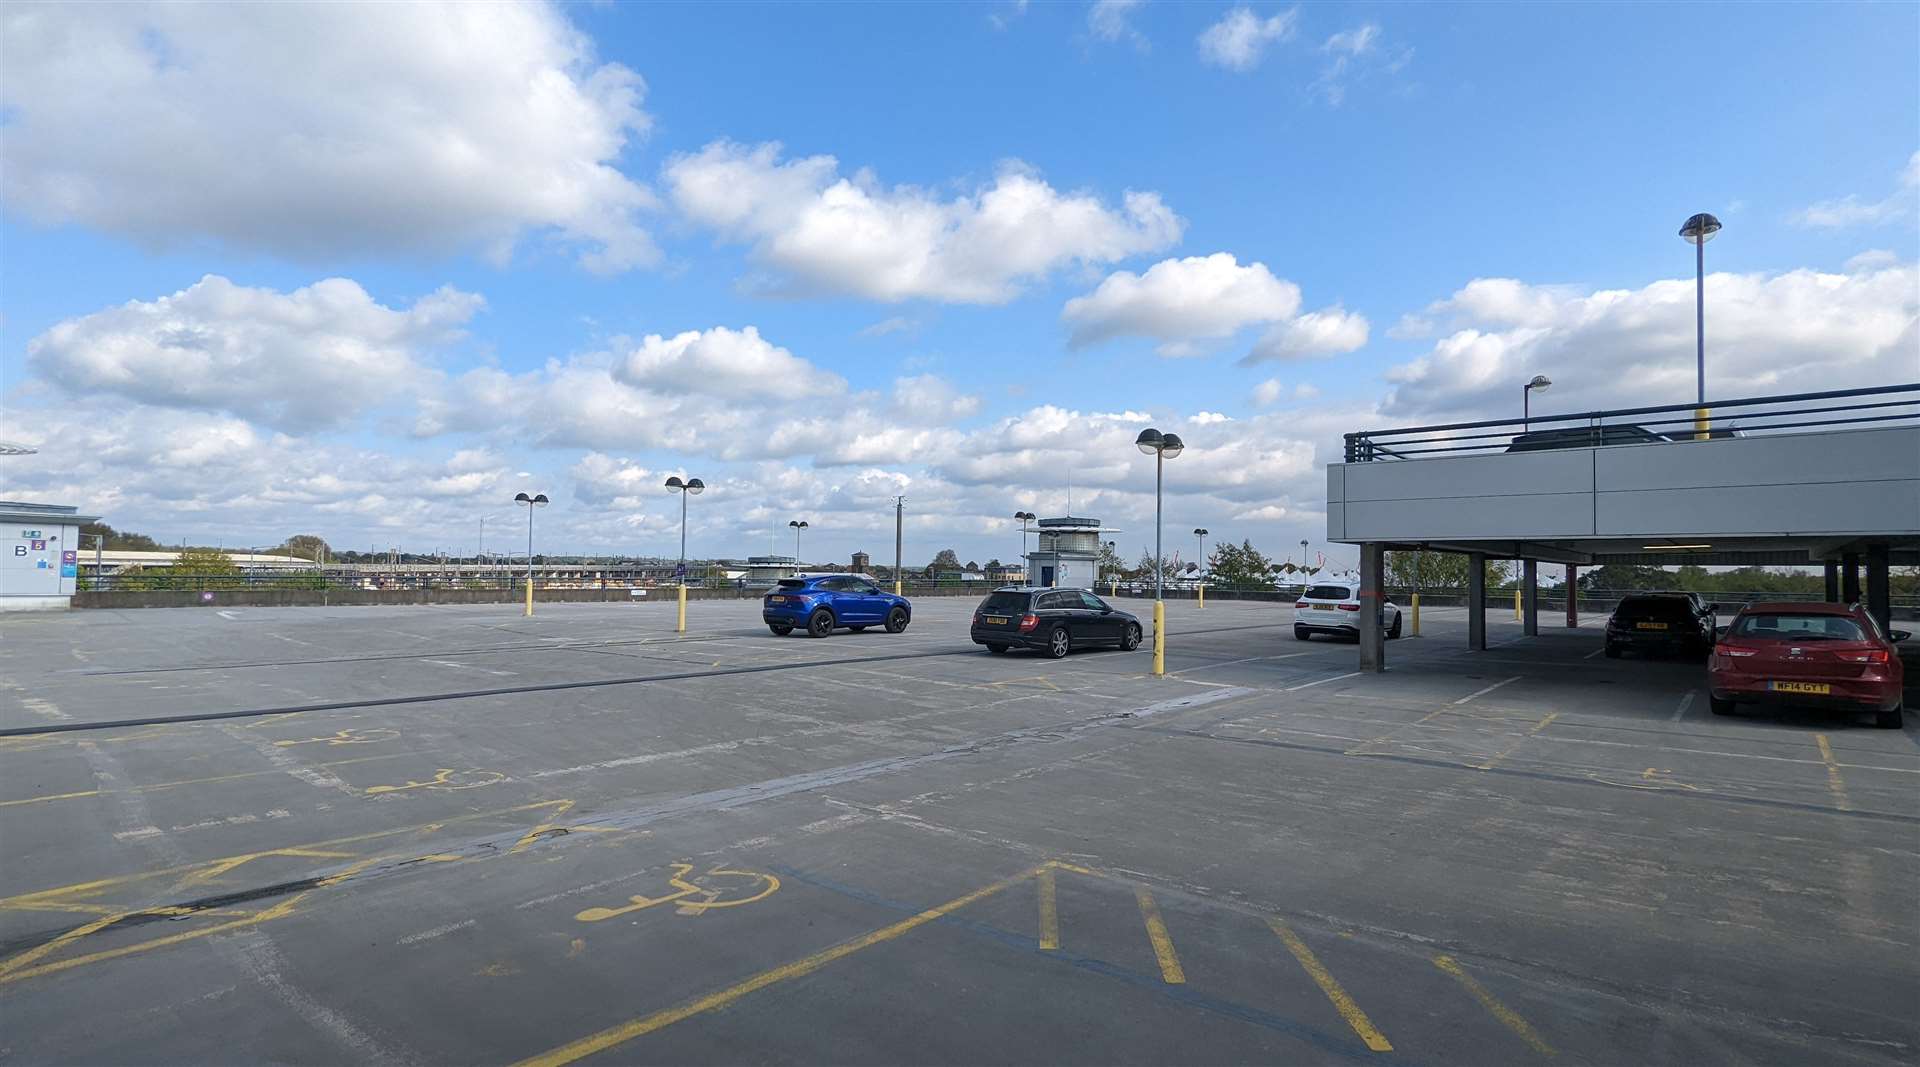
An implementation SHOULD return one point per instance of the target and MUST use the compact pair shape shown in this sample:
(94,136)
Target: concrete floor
(456,835)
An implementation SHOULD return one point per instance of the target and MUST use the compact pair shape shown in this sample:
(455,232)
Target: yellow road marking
(1049,915)
(1507,751)
(1507,1016)
(627,1031)
(1342,1003)
(687,891)
(1162,944)
(552,819)
(157,786)
(1358,750)
(348,736)
(442,779)
(1835,785)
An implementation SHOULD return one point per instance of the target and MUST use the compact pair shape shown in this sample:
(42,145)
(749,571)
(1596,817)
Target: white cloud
(1329,331)
(1240,39)
(321,130)
(1796,331)
(928,397)
(723,362)
(1353,56)
(1112,20)
(1355,42)
(1008,14)
(1209,418)
(1268,392)
(1852,211)
(821,232)
(1181,301)
(309,359)
(895,324)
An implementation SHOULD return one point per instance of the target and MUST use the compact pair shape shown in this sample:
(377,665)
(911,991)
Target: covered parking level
(1804,479)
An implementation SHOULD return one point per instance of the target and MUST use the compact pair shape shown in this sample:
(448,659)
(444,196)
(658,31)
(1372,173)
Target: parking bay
(878,848)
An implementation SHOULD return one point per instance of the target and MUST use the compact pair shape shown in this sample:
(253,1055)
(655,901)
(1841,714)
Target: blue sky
(1423,205)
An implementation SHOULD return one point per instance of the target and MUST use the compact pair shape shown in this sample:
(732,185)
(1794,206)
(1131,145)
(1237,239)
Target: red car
(1820,655)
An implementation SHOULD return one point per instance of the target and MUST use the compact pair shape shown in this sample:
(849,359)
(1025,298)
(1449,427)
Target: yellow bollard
(1416,614)
(1203,596)
(1113,589)
(1702,424)
(681,626)
(1516,603)
(529,596)
(1159,639)
(896,588)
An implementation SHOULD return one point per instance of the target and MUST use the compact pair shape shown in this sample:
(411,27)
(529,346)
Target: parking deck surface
(457,835)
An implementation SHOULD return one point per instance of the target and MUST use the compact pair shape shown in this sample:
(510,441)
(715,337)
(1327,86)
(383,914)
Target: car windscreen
(1651,607)
(1328,592)
(1005,603)
(792,583)
(1790,626)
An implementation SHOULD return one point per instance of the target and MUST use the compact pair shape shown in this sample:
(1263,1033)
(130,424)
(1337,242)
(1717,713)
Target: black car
(1054,621)
(1584,437)
(1662,622)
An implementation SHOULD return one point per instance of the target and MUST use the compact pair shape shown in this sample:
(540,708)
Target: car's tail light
(1867,655)
(1735,651)
(1349,607)
(977,619)
(1299,603)
(1028,622)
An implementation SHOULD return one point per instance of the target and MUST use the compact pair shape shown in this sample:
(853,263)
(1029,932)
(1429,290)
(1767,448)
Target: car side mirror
(1897,636)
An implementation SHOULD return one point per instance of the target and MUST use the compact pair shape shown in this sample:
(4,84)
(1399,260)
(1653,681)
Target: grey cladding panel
(1539,516)
(1568,470)
(1789,459)
(1891,507)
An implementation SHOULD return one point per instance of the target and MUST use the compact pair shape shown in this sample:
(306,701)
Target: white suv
(1334,608)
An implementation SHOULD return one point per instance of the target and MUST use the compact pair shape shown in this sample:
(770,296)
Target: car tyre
(779,629)
(820,623)
(1059,643)
(896,620)
(1719,706)
(998,650)
(1131,639)
(1891,720)
(1300,633)
(1394,630)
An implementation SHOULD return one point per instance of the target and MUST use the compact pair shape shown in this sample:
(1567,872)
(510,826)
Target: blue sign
(69,570)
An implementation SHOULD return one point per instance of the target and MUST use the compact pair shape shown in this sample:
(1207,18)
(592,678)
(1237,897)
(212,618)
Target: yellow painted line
(618,1035)
(552,819)
(1505,752)
(1507,1016)
(1835,784)
(1049,915)
(1162,944)
(1342,1003)
(157,786)
(1360,749)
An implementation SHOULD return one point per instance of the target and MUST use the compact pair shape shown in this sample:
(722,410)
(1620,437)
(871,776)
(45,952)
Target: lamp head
(695,486)
(674,484)
(1171,445)
(522,498)
(1700,229)
(1539,383)
(1149,441)
(540,500)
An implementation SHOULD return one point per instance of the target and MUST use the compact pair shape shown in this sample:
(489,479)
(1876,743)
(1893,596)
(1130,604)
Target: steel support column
(1373,644)
(1879,589)
(1850,578)
(1530,598)
(1573,597)
(1833,582)
(1477,601)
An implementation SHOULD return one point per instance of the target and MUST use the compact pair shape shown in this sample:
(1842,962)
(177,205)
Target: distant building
(1067,553)
(39,555)
(860,562)
(766,570)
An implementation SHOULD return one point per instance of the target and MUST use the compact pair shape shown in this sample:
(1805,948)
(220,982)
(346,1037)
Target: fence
(162,589)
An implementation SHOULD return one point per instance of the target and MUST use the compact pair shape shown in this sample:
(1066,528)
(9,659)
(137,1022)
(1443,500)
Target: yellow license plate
(1649,625)
(996,619)
(1815,688)
(776,600)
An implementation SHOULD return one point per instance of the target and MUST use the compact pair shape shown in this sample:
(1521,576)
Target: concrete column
(1879,590)
(1850,578)
(1573,597)
(1530,598)
(1373,644)
(1477,601)
(1833,582)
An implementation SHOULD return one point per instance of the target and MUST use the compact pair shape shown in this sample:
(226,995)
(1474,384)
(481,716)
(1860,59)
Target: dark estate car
(823,603)
(1055,621)
(1662,622)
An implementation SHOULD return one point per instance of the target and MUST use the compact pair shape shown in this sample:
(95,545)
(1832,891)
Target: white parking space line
(1489,689)
(1233,662)
(1595,652)
(1686,701)
(1323,681)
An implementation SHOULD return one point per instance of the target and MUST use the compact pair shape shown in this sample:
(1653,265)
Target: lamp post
(1697,231)
(1024,517)
(538,500)
(1539,384)
(1161,447)
(798,525)
(1201,533)
(690,487)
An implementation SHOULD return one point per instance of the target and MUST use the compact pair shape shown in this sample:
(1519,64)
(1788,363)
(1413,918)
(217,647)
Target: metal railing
(1750,416)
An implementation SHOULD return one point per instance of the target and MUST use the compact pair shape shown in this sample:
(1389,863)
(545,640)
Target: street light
(1201,533)
(1539,384)
(690,487)
(530,503)
(797,525)
(1161,447)
(1024,517)
(1697,231)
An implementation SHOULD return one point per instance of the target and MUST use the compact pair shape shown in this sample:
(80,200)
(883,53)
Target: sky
(368,270)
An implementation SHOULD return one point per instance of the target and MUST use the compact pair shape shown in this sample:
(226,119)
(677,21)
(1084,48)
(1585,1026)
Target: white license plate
(776,600)
(1324,607)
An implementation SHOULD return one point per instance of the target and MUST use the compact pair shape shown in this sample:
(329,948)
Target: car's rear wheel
(780,629)
(1059,642)
(1890,720)
(1394,630)
(1131,639)
(896,620)
(820,623)
(1719,706)
(1300,633)
(998,650)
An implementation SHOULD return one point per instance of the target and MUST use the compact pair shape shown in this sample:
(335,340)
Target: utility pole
(899,518)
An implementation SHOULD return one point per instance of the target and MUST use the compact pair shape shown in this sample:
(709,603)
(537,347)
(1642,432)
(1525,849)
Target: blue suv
(821,604)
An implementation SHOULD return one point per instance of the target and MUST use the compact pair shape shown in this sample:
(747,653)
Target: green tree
(306,546)
(945,561)
(1110,566)
(1241,566)
(1441,570)
(205,568)
(115,539)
